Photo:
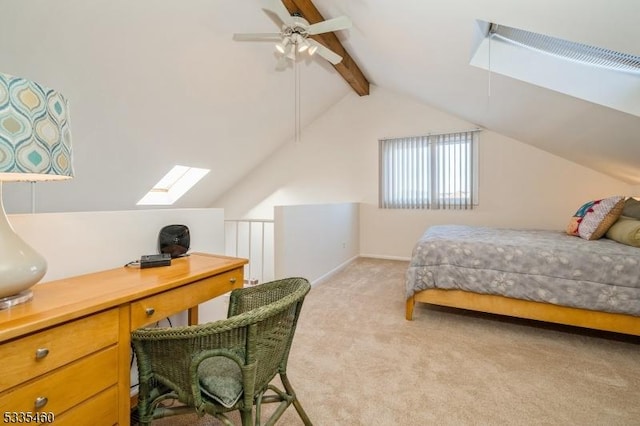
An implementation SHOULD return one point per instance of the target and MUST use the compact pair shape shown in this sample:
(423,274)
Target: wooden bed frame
(619,323)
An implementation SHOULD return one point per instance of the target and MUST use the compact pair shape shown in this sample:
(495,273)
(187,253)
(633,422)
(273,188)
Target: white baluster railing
(253,240)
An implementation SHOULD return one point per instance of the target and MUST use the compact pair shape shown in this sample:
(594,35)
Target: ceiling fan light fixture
(291,52)
(294,34)
(303,45)
(282,46)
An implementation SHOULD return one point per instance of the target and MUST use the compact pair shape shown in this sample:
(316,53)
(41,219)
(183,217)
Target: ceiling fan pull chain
(296,73)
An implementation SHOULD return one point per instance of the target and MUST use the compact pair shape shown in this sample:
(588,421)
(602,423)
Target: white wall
(79,243)
(520,187)
(337,161)
(312,241)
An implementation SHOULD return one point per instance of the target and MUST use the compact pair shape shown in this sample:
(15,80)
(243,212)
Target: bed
(534,274)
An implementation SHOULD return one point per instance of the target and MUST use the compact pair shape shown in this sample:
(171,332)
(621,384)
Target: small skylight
(173,185)
(596,74)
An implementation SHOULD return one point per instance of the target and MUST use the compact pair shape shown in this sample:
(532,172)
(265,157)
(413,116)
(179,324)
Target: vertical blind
(428,172)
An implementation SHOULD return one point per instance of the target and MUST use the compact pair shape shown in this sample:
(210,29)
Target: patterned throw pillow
(594,218)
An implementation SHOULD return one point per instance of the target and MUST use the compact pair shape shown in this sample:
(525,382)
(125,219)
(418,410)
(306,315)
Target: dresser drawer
(65,387)
(99,410)
(155,308)
(41,352)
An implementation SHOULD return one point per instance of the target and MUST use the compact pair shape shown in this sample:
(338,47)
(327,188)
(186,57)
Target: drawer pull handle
(41,401)
(150,311)
(41,353)
(232,280)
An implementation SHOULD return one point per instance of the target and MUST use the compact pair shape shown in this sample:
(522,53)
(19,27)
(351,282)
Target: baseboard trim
(378,256)
(333,271)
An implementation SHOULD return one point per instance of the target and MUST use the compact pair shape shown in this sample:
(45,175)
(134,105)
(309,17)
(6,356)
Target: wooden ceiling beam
(347,68)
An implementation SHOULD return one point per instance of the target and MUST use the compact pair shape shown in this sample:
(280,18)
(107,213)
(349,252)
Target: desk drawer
(155,308)
(41,352)
(66,387)
(99,410)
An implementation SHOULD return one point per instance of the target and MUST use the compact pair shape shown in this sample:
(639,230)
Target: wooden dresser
(65,355)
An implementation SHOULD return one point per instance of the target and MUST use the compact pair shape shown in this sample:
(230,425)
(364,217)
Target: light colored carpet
(357,361)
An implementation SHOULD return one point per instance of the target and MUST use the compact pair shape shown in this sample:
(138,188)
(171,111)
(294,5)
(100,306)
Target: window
(429,172)
(173,186)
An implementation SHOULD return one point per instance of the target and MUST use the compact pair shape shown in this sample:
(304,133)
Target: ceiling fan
(294,36)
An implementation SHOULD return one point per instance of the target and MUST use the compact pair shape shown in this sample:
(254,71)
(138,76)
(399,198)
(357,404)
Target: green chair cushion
(221,380)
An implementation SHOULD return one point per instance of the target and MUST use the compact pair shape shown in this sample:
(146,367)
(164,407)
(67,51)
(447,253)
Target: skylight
(565,49)
(173,186)
(595,74)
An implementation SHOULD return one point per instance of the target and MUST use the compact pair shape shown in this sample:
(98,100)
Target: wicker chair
(225,365)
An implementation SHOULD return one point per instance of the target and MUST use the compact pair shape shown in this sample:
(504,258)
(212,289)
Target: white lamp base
(9,301)
(21,267)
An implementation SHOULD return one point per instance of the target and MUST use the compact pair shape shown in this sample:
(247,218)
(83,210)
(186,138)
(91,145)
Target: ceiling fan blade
(328,54)
(276,7)
(258,37)
(330,25)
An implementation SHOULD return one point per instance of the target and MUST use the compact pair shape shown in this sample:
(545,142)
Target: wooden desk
(66,353)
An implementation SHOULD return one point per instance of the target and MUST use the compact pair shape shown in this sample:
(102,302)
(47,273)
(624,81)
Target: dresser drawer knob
(41,353)
(232,280)
(150,311)
(41,401)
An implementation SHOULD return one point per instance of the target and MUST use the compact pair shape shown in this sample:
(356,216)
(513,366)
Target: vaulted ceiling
(153,83)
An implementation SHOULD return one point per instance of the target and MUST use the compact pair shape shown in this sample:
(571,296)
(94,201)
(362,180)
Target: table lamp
(35,145)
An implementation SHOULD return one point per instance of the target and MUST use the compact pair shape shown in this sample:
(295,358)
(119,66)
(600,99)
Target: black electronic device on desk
(174,240)
(153,260)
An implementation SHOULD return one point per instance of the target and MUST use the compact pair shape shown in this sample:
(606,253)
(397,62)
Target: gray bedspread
(543,266)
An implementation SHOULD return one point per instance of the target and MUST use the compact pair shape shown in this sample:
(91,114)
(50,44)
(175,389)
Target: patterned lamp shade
(35,138)
(35,145)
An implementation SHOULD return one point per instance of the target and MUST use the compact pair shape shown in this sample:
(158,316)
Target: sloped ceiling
(153,83)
